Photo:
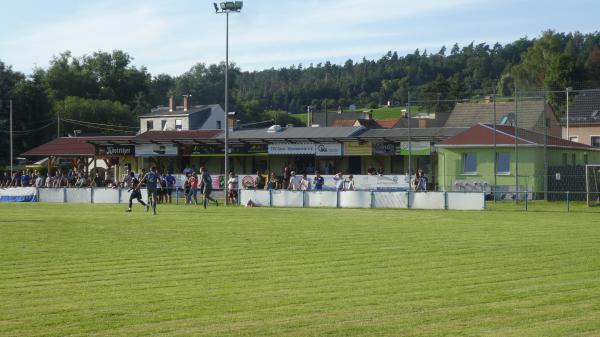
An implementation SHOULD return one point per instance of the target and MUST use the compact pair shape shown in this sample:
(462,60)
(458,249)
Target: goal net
(592,188)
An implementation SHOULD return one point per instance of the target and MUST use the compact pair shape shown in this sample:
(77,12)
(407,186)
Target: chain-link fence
(530,147)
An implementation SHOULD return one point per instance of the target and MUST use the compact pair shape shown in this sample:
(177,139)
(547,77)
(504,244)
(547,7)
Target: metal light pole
(568,90)
(11,137)
(226,8)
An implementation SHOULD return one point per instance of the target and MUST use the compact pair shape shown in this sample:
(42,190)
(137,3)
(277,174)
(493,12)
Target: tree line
(106,89)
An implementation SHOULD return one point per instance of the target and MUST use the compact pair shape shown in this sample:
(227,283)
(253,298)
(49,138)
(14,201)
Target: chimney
(232,122)
(186,102)
(422,123)
(172,105)
(369,116)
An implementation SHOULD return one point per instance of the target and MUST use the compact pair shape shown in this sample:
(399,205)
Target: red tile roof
(389,123)
(483,135)
(71,146)
(344,122)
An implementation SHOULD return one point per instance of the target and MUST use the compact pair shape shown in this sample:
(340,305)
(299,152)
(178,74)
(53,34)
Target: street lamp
(226,8)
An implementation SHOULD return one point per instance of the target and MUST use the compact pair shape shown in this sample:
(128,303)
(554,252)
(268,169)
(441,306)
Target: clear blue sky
(170,36)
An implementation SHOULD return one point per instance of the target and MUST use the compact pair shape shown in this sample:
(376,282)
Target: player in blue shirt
(170,185)
(318,181)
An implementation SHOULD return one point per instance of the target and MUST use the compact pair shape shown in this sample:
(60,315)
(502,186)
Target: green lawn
(93,270)
(379,113)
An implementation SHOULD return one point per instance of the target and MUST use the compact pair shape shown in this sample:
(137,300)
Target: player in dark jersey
(151,180)
(206,187)
(135,192)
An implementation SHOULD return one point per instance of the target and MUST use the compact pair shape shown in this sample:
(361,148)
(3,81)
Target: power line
(95,127)
(100,124)
(28,132)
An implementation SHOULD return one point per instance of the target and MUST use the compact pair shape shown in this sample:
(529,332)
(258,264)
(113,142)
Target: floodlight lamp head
(223,6)
(216,7)
(238,5)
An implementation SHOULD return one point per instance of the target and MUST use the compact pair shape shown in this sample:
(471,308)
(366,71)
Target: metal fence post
(303,199)
(526,200)
(568,202)
(446,200)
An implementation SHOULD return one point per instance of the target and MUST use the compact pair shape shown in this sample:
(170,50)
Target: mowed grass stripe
(296,272)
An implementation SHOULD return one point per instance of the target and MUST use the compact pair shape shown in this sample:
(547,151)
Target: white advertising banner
(355,199)
(466,201)
(288,148)
(427,200)
(79,195)
(156,150)
(52,195)
(320,199)
(287,198)
(18,194)
(106,196)
(390,200)
(260,198)
(328,150)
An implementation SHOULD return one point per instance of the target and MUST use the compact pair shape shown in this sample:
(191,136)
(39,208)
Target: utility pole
(409,138)
(495,146)
(58,125)
(568,90)
(11,136)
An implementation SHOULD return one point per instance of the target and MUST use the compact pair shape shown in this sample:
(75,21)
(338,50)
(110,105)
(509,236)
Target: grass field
(378,113)
(93,270)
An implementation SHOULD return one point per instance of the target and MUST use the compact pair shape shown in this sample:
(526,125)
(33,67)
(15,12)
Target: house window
(564,160)
(595,141)
(573,159)
(178,124)
(574,139)
(502,163)
(149,125)
(469,163)
(218,125)
(163,125)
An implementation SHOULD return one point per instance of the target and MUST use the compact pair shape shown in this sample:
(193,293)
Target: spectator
(25,179)
(49,181)
(420,181)
(232,187)
(128,179)
(3,179)
(98,181)
(259,182)
(294,181)
(350,184)
(39,181)
(339,181)
(274,183)
(286,177)
(82,181)
(305,183)
(318,181)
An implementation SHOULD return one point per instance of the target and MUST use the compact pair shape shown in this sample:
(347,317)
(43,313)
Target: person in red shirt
(193,188)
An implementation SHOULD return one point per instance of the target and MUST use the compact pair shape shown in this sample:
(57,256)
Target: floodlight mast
(226,8)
